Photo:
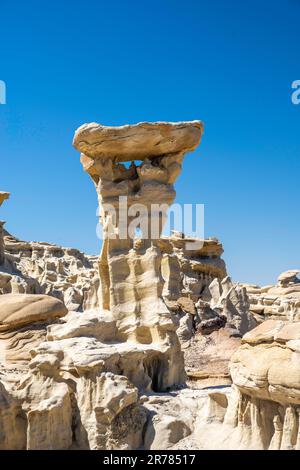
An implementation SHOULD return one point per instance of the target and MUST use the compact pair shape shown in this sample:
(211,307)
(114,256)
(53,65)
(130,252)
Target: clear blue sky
(229,63)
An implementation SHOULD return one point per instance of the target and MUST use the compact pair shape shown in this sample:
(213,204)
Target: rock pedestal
(3,196)
(130,267)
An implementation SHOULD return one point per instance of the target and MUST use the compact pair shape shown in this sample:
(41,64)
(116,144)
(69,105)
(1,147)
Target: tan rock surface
(186,419)
(289,277)
(44,268)
(208,356)
(131,278)
(138,141)
(79,382)
(72,383)
(17,310)
(23,322)
(279,302)
(3,197)
(263,412)
(270,368)
(91,375)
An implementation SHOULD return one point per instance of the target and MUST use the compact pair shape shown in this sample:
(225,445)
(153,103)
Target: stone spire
(130,268)
(3,197)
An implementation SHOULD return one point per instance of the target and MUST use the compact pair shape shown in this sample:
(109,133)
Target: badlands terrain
(150,345)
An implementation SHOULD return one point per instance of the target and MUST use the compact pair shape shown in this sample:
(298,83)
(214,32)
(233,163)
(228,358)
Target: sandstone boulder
(138,141)
(17,310)
(3,197)
(263,412)
(289,277)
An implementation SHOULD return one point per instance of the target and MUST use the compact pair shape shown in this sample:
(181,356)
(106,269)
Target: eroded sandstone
(3,197)
(80,381)
(98,362)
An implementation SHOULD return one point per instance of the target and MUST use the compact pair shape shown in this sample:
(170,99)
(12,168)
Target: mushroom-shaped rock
(145,140)
(130,268)
(3,196)
(263,333)
(288,277)
(18,310)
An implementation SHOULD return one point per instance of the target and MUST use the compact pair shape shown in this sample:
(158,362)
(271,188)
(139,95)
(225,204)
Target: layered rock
(3,197)
(186,272)
(74,379)
(145,140)
(211,330)
(73,277)
(20,310)
(281,301)
(188,277)
(89,375)
(44,268)
(60,385)
(187,419)
(266,372)
(23,325)
(267,364)
(130,269)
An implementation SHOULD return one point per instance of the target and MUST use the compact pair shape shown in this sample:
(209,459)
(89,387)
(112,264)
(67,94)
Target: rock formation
(3,196)
(262,410)
(23,325)
(130,269)
(259,412)
(79,381)
(44,268)
(280,302)
(71,276)
(91,350)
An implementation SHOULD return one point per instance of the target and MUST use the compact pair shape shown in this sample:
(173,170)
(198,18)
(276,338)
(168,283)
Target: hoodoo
(130,270)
